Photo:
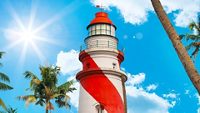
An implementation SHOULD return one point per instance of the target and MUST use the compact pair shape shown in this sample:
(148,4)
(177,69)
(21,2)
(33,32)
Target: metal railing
(103,45)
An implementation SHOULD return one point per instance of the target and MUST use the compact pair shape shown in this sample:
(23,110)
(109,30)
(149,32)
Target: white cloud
(136,11)
(170,95)
(74,97)
(187,92)
(198,97)
(135,79)
(68,61)
(70,64)
(151,87)
(131,10)
(142,101)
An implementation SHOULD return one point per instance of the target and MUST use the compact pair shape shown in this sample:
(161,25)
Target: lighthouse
(102,88)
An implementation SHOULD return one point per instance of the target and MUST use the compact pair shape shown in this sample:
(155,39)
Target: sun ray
(38,52)
(32,14)
(23,54)
(47,40)
(67,10)
(16,17)
(11,31)
(29,36)
(12,45)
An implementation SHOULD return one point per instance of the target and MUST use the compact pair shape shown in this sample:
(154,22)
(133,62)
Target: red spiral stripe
(102,89)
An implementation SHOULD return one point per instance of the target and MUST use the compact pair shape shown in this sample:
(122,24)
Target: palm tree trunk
(47,105)
(179,47)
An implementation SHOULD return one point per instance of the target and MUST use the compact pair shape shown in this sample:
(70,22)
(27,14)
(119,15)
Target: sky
(157,81)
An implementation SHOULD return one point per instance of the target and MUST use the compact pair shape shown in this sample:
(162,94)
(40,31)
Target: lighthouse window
(98,26)
(108,27)
(99,108)
(107,32)
(103,26)
(102,29)
(93,32)
(93,28)
(112,31)
(98,31)
(114,65)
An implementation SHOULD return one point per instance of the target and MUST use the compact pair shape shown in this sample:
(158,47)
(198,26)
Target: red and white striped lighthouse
(102,88)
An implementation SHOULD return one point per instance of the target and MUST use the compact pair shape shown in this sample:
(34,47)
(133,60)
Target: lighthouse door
(99,108)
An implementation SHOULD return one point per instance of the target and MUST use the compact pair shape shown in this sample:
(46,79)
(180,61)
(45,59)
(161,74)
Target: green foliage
(46,89)
(193,39)
(1,54)
(3,86)
(4,77)
(9,110)
(2,104)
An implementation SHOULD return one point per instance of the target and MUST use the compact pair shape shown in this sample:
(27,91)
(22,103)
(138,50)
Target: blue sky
(157,80)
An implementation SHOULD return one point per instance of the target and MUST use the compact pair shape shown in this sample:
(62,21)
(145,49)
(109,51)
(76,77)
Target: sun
(27,35)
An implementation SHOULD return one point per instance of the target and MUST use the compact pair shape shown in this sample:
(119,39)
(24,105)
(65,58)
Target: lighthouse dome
(101,25)
(101,17)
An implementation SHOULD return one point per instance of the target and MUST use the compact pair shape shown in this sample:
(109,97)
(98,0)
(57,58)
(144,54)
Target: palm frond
(192,37)
(193,26)
(30,75)
(2,104)
(41,102)
(196,46)
(34,83)
(195,52)
(182,36)
(10,110)
(60,103)
(28,98)
(4,77)
(188,47)
(4,86)
(25,98)
(56,95)
(63,102)
(49,76)
(1,54)
(67,86)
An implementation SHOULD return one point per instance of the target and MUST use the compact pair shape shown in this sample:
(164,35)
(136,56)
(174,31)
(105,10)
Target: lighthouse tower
(102,88)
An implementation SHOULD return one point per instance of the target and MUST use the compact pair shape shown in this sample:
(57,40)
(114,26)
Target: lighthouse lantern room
(102,88)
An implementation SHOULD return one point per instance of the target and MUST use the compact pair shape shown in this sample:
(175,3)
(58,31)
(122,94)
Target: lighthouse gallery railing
(102,44)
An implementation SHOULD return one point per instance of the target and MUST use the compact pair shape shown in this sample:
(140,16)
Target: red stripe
(102,89)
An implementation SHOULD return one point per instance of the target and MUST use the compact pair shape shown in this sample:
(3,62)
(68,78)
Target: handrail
(103,45)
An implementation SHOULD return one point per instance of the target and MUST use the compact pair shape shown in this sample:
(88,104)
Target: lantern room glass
(104,29)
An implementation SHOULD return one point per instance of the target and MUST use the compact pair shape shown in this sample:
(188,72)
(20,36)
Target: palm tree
(179,47)
(9,110)
(194,39)
(3,86)
(46,89)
